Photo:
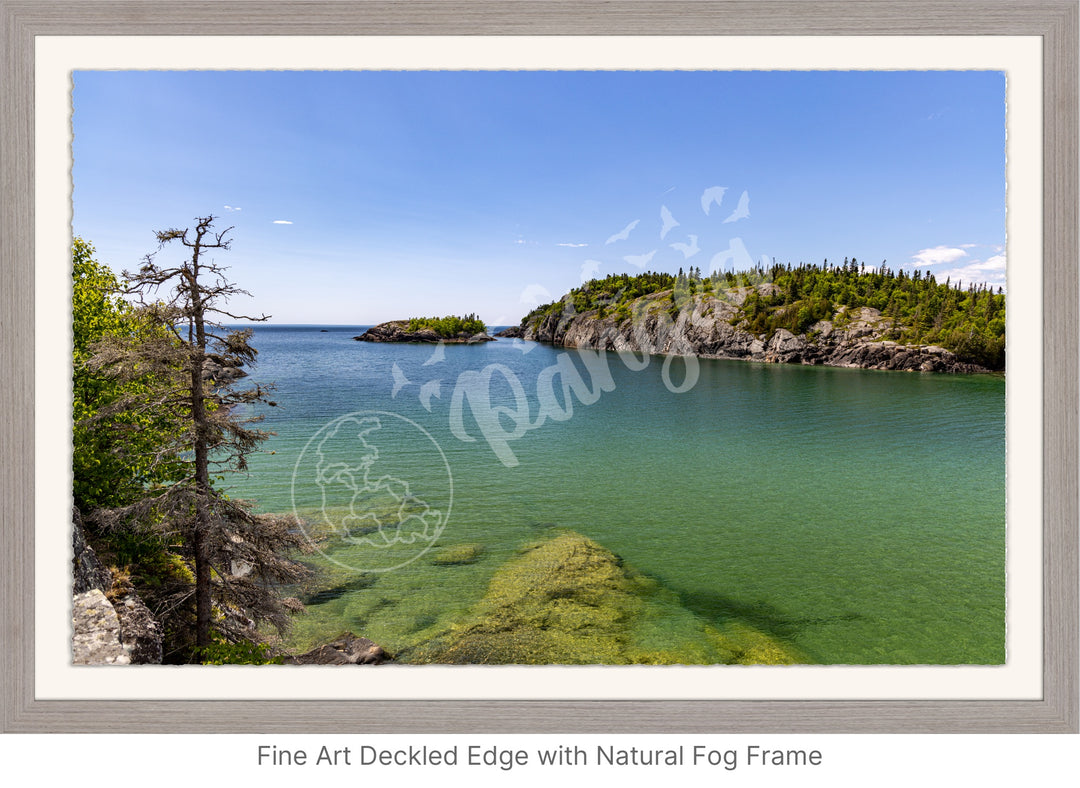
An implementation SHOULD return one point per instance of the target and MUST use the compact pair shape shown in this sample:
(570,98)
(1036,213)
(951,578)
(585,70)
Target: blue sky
(359,197)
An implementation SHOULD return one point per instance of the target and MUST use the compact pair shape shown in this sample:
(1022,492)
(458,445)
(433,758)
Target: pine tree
(238,557)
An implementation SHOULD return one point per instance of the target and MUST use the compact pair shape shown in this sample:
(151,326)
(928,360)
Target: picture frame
(1055,21)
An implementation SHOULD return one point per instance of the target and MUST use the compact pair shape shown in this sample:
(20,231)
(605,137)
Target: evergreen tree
(238,557)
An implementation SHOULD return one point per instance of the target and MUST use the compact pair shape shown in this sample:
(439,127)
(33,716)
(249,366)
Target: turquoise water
(857,515)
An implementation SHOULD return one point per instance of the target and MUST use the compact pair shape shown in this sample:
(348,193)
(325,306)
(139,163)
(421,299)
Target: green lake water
(856,515)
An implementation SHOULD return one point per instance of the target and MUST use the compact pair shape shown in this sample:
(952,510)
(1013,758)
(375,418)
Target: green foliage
(152,429)
(223,652)
(611,295)
(968,321)
(103,475)
(449,326)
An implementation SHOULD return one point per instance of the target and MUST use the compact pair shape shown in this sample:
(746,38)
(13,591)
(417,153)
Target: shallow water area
(855,516)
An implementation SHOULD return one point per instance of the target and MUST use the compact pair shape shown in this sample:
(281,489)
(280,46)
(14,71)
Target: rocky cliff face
(713,328)
(110,625)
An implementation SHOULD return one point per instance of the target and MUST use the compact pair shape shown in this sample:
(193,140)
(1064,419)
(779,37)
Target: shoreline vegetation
(844,316)
(450,330)
(184,574)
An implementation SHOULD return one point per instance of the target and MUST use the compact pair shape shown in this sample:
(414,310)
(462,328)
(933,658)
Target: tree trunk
(203,600)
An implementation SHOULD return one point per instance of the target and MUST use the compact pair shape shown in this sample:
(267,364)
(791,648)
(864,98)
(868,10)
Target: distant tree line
(449,326)
(967,319)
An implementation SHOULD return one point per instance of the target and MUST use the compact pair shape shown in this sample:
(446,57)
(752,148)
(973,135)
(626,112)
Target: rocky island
(451,330)
(772,321)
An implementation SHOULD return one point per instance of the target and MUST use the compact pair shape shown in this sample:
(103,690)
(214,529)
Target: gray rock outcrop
(96,631)
(118,632)
(88,571)
(140,633)
(712,327)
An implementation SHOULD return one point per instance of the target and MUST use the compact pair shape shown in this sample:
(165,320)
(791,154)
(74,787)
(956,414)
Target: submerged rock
(328,585)
(457,554)
(568,600)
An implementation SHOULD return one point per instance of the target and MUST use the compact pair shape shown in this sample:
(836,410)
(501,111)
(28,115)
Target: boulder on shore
(96,631)
(348,649)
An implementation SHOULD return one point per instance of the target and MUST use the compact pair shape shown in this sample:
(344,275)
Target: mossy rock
(458,554)
(327,586)
(569,600)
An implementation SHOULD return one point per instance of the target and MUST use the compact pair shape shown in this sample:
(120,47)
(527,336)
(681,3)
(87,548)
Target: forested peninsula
(844,315)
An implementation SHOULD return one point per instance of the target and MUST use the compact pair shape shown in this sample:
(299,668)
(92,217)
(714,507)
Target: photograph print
(538,367)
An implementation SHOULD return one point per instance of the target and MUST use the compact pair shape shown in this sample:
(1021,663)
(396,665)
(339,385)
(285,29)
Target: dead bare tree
(239,558)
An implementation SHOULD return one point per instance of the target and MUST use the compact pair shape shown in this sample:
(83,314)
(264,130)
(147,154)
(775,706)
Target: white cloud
(281,221)
(939,255)
(573,246)
(232,208)
(990,271)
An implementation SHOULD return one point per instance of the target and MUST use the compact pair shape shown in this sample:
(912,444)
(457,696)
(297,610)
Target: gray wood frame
(1056,21)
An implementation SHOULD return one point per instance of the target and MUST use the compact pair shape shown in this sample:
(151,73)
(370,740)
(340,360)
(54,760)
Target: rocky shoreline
(398,331)
(710,327)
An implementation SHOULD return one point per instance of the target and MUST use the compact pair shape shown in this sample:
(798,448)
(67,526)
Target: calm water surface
(857,515)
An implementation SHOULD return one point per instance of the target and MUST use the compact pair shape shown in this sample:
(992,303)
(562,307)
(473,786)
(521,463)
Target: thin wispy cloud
(282,221)
(232,208)
(573,246)
(938,255)
(623,234)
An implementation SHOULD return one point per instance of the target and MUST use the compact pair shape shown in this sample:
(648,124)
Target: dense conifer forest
(964,317)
